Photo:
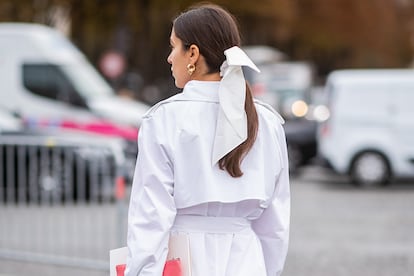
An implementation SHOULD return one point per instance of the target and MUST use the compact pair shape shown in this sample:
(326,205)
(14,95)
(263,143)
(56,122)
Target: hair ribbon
(231,126)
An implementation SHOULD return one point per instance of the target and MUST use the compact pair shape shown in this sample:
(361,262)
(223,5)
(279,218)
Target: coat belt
(194,223)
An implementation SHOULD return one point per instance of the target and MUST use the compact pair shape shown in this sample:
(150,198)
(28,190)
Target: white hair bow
(231,126)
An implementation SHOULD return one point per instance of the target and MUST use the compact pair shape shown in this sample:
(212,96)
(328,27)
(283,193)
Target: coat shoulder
(268,108)
(157,106)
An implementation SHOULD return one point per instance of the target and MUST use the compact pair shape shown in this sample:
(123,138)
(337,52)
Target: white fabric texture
(231,126)
(174,176)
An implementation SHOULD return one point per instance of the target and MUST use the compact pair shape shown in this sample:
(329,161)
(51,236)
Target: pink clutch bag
(178,261)
(172,268)
(120,270)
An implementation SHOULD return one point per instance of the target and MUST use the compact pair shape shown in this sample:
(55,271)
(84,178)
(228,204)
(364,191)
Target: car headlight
(321,113)
(299,108)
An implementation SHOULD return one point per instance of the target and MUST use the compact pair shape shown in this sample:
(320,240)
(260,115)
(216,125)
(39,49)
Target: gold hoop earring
(191,68)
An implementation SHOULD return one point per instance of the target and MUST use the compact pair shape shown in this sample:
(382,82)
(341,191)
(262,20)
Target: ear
(194,53)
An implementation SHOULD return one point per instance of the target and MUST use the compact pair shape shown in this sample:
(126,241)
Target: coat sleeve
(151,210)
(272,227)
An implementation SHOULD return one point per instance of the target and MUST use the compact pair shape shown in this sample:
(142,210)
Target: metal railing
(61,200)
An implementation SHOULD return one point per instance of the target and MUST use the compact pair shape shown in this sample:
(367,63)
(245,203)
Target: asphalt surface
(336,229)
(339,229)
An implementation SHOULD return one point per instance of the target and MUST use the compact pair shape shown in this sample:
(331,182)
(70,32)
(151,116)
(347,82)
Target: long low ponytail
(232,161)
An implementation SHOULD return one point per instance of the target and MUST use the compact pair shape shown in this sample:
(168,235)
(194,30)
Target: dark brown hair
(214,30)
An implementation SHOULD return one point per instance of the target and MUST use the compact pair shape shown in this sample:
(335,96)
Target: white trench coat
(236,226)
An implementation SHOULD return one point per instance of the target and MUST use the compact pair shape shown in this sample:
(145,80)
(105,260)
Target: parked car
(44,76)
(370,132)
(286,86)
(48,82)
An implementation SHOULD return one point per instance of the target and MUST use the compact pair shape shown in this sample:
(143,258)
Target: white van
(46,80)
(370,132)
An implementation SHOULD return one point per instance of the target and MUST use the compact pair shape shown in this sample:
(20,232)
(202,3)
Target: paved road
(336,230)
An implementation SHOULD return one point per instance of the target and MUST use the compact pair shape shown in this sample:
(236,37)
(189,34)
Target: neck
(208,77)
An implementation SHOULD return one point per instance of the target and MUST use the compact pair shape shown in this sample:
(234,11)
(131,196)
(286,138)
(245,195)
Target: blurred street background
(76,76)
